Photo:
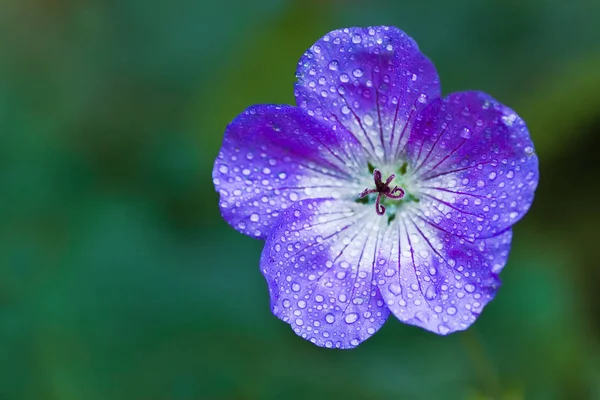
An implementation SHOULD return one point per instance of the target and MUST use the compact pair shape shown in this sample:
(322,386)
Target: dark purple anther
(383,189)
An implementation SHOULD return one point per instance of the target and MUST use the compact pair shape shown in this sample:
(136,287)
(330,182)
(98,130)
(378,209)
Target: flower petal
(273,156)
(318,262)
(370,80)
(437,281)
(475,164)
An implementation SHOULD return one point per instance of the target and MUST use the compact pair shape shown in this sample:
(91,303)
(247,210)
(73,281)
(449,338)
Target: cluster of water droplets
(259,175)
(319,267)
(371,81)
(477,168)
(431,279)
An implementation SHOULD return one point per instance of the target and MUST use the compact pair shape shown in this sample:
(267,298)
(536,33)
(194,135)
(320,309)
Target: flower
(375,195)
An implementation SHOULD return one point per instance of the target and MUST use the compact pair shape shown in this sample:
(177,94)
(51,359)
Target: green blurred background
(120,280)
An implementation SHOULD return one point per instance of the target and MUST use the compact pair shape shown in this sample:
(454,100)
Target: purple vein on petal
(399,254)
(430,151)
(375,250)
(448,155)
(450,205)
(342,148)
(380,124)
(362,253)
(428,222)
(421,178)
(429,243)
(349,219)
(352,156)
(451,191)
(412,255)
(359,121)
(399,150)
(394,127)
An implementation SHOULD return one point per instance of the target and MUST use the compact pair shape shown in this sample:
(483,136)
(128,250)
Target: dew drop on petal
(351,318)
(443,329)
(329,318)
(395,288)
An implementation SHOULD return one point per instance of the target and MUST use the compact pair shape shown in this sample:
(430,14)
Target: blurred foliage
(118,278)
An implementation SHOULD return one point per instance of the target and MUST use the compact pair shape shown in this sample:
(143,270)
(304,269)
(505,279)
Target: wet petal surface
(273,156)
(438,281)
(318,262)
(371,80)
(474,163)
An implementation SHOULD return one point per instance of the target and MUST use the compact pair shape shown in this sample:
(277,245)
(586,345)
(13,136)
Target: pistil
(383,189)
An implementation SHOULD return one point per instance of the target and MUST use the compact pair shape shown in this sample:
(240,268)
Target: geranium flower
(375,195)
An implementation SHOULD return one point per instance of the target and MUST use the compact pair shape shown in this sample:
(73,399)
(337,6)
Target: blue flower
(375,195)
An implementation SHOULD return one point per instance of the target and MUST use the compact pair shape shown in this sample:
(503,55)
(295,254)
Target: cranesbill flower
(375,195)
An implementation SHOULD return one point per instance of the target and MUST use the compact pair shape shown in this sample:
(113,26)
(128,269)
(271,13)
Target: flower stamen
(383,189)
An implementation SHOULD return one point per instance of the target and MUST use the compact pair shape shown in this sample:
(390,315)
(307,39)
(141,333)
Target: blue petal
(373,81)
(318,262)
(273,156)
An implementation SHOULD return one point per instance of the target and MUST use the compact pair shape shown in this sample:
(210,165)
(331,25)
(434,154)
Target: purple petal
(438,281)
(474,163)
(371,80)
(273,156)
(318,262)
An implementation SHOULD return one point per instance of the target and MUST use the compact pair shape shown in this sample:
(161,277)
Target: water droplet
(223,169)
(344,78)
(451,310)
(356,39)
(333,65)
(295,287)
(430,293)
(395,288)
(443,329)
(358,72)
(301,304)
(470,287)
(466,133)
(351,318)
(254,218)
(329,318)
